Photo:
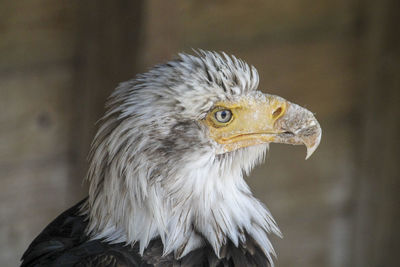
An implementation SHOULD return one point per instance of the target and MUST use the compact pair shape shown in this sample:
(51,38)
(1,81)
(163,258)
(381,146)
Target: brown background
(59,60)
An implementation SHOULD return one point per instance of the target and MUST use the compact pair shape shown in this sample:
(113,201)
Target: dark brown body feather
(64,243)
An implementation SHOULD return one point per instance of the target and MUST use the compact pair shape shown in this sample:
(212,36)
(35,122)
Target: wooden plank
(36,33)
(376,232)
(36,115)
(242,23)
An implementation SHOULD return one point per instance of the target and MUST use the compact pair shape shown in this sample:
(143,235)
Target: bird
(167,171)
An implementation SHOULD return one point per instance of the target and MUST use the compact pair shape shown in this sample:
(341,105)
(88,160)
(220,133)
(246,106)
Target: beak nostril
(277,113)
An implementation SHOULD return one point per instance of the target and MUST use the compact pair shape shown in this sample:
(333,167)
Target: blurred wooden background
(59,60)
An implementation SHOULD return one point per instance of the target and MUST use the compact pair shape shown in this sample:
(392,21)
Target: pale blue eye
(223,116)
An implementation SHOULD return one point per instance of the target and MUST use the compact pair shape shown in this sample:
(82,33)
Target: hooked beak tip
(313,143)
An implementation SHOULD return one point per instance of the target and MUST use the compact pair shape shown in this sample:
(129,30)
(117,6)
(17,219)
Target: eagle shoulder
(64,243)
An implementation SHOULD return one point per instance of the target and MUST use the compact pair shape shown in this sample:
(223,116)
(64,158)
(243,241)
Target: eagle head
(172,150)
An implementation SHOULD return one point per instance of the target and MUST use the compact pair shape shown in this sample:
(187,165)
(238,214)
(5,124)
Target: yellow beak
(266,119)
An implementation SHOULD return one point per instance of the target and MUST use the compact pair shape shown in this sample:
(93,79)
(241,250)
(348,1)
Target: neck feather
(203,200)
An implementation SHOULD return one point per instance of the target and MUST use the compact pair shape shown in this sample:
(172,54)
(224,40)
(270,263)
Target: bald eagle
(167,166)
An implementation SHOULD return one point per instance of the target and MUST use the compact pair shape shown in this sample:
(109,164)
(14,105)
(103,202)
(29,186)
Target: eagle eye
(223,115)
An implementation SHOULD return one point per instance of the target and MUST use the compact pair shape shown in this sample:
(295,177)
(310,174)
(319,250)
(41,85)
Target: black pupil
(224,114)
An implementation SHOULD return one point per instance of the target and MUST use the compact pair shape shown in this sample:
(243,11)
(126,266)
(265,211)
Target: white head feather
(154,171)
